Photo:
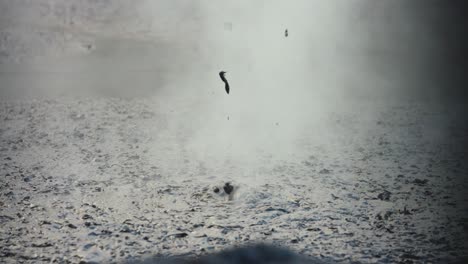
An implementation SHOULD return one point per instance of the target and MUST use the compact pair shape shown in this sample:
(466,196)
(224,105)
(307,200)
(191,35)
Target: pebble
(86,216)
(27,179)
(384,196)
(228,188)
(420,182)
(179,235)
(125,229)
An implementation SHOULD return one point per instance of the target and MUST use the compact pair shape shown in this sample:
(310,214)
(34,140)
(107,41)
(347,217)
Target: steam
(283,89)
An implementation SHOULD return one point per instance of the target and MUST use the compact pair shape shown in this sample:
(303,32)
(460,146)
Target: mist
(337,55)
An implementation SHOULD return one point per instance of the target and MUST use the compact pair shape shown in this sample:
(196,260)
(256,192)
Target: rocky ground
(111,180)
(103,179)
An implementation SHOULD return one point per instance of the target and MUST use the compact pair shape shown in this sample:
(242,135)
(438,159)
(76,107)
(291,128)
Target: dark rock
(86,216)
(27,178)
(6,254)
(410,256)
(125,229)
(216,190)
(270,209)
(5,218)
(420,182)
(228,188)
(384,216)
(440,241)
(352,196)
(180,235)
(258,254)
(405,211)
(88,246)
(106,232)
(384,196)
(128,222)
(42,245)
(72,226)
(44,222)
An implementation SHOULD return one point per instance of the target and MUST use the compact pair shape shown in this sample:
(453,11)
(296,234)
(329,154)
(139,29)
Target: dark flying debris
(286,34)
(223,78)
(228,26)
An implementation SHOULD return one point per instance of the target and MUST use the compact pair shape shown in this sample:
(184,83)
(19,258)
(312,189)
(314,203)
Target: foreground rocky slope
(101,180)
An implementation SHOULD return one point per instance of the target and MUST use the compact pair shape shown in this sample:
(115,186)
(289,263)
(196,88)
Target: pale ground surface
(102,179)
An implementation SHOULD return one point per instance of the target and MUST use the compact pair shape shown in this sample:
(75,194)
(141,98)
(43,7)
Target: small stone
(44,222)
(384,196)
(352,196)
(4,218)
(86,216)
(106,232)
(88,246)
(72,226)
(41,245)
(125,229)
(228,188)
(270,209)
(405,211)
(420,182)
(180,235)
